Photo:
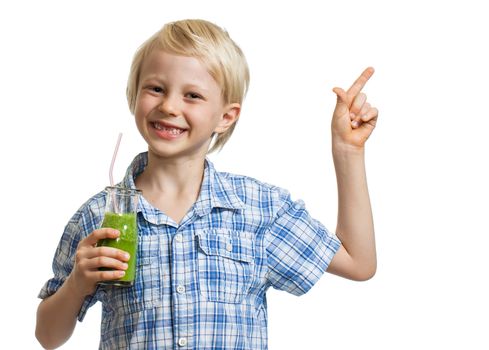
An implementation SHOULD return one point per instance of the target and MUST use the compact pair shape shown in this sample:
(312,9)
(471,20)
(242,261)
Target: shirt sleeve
(299,248)
(86,219)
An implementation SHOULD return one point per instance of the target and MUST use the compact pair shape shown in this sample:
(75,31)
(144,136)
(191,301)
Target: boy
(210,243)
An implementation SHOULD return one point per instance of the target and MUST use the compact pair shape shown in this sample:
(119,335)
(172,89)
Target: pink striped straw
(111,170)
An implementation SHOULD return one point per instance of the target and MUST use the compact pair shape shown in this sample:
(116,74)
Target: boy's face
(179,106)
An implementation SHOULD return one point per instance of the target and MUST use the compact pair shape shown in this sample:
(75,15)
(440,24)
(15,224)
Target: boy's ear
(229,117)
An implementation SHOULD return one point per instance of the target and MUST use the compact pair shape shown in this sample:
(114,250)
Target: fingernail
(125,266)
(121,273)
(355,124)
(126,256)
(364,117)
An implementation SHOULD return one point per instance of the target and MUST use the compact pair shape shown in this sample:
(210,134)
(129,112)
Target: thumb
(341,96)
(99,234)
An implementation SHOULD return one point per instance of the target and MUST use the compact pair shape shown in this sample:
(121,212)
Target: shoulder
(239,180)
(255,192)
(89,214)
(85,220)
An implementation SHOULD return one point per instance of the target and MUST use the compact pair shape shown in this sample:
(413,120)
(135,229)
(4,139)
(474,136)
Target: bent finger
(365,108)
(356,122)
(103,261)
(109,252)
(108,275)
(358,103)
(372,113)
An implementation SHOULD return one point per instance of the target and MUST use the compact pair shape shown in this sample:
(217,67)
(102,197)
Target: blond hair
(209,43)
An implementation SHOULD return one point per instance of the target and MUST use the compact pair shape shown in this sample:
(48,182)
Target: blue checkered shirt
(201,284)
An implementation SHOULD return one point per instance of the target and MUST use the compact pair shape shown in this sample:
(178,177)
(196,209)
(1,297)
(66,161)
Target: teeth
(173,131)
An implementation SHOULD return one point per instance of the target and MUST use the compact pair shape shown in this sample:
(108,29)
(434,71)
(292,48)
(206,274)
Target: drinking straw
(111,170)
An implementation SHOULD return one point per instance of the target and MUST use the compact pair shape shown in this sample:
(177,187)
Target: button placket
(178,280)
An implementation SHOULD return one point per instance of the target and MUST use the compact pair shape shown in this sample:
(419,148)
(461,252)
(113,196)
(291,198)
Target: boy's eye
(193,95)
(157,89)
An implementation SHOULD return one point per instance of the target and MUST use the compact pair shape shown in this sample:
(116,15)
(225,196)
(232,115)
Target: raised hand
(354,118)
(89,258)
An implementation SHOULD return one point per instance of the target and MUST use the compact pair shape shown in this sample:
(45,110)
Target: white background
(63,72)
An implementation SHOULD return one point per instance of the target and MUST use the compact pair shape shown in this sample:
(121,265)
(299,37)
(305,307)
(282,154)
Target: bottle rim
(123,190)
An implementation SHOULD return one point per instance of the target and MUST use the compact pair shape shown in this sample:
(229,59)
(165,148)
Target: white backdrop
(62,78)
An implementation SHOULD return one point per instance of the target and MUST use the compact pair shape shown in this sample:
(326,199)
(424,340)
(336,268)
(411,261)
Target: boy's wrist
(344,150)
(72,288)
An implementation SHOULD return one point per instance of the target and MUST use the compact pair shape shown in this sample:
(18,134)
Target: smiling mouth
(169,129)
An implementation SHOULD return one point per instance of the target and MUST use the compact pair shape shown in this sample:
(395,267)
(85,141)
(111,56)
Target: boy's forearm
(355,226)
(57,316)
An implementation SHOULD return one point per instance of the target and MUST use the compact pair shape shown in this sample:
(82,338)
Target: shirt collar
(135,168)
(216,191)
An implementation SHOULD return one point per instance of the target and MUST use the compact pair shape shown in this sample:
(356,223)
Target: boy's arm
(353,122)
(57,314)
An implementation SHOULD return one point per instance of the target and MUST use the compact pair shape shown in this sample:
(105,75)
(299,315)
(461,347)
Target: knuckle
(107,275)
(102,251)
(100,260)
(109,252)
(81,264)
(106,251)
(78,256)
(85,274)
(103,275)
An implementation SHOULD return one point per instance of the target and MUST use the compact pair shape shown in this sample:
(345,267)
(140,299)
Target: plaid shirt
(201,284)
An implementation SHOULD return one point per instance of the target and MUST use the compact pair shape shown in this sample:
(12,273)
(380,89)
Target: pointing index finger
(361,81)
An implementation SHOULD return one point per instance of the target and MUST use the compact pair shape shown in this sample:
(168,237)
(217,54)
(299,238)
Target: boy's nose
(168,106)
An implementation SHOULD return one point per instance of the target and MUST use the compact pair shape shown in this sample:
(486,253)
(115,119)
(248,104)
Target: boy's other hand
(354,118)
(89,258)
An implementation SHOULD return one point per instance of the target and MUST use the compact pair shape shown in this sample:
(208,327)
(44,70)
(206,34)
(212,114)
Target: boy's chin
(172,153)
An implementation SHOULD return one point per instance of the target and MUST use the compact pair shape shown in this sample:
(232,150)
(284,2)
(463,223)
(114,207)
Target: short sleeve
(299,248)
(87,219)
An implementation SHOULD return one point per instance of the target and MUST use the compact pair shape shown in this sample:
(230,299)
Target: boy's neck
(172,186)
(172,177)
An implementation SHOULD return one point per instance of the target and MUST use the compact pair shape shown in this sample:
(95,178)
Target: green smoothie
(127,241)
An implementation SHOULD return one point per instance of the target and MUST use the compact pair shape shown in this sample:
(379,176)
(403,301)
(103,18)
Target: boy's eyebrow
(197,87)
(152,77)
(186,86)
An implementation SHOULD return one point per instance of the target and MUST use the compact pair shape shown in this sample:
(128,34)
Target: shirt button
(229,247)
(182,341)
(179,237)
(181,289)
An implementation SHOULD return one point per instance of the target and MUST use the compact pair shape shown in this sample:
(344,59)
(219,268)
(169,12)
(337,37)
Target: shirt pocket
(225,264)
(146,291)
